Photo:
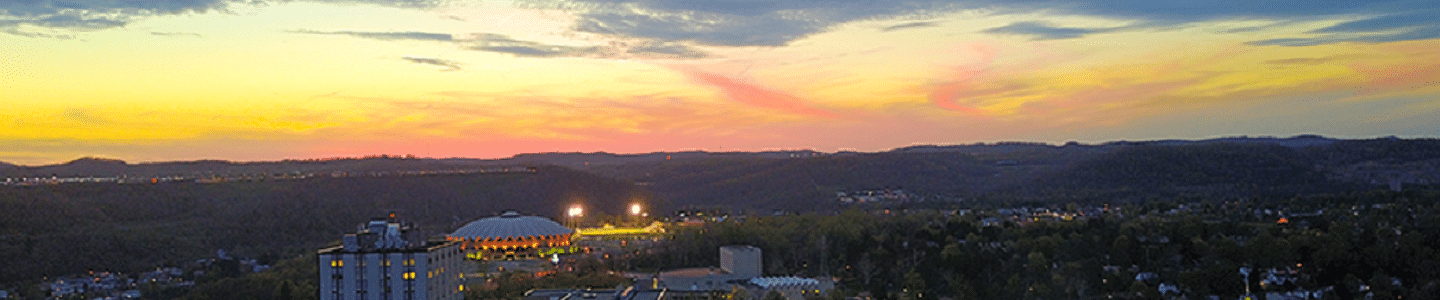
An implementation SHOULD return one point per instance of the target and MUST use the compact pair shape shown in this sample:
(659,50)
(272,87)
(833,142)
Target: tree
(1120,251)
(737,293)
(914,285)
(774,295)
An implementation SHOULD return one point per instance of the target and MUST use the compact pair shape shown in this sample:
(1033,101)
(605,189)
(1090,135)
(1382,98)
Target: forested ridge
(73,228)
(1129,171)
(1361,242)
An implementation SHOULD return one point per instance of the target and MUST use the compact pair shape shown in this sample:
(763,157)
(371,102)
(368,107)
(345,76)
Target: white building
(377,263)
(743,261)
(741,267)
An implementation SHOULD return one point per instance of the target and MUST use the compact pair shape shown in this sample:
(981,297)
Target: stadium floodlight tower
(576,211)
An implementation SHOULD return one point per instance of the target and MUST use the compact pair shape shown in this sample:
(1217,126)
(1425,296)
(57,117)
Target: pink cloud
(758,96)
(962,85)
(1393,78)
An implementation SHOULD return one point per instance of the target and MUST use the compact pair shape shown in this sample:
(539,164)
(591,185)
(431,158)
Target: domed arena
(513,236)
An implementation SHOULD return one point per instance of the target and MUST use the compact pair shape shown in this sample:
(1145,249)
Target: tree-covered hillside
(72,228)
(1125,171)
(803,183)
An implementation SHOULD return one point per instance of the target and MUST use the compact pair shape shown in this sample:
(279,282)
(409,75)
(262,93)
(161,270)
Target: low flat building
(740,268)
(789,287)
(630,293)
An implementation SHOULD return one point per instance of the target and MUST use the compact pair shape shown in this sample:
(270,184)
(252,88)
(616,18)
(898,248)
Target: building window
(337,263)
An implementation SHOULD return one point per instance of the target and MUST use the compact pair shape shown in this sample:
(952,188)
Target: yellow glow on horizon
(287,74)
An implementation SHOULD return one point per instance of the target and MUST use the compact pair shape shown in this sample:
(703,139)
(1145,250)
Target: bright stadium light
(576,211)
(635,209)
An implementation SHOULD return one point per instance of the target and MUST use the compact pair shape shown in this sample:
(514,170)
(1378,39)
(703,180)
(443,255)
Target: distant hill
(800,183)
(1034,172)
(72,228)
(109,167)
(1200,169)
(802,180)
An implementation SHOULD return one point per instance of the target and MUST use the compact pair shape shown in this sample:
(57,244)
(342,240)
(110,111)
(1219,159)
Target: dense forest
(803,184)
(1122,171)
(1371,239)
(74,228)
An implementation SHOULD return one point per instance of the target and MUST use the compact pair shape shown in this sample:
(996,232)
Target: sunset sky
(248,80)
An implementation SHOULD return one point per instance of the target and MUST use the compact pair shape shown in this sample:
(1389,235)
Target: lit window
(410,262)
(409,276)
(337,263)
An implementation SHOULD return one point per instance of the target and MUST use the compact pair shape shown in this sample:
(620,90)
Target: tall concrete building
(379,263)
(743,261)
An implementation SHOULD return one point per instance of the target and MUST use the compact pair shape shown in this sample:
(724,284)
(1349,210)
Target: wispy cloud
(758,96)
(389,36)
(1421,25)
(654,49)
(1299,61)
(504,44)
(1409,35)
(728,22)
(176,34)
(447,64)
(1390,22)
(910,25)
(1039,30)
(29,34)
(87,15)
(500,43)
(777,23)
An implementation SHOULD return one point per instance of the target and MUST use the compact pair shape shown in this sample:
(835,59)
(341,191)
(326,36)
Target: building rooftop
(692,272)
(510,224)
(770,282)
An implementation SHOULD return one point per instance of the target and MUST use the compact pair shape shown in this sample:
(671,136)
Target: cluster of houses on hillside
(887,195)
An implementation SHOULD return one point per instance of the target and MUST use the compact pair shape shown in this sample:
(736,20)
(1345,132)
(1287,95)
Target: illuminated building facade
(513,236)
(378,263)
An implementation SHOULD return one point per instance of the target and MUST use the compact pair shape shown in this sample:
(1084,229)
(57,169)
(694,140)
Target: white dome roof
(510,224)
